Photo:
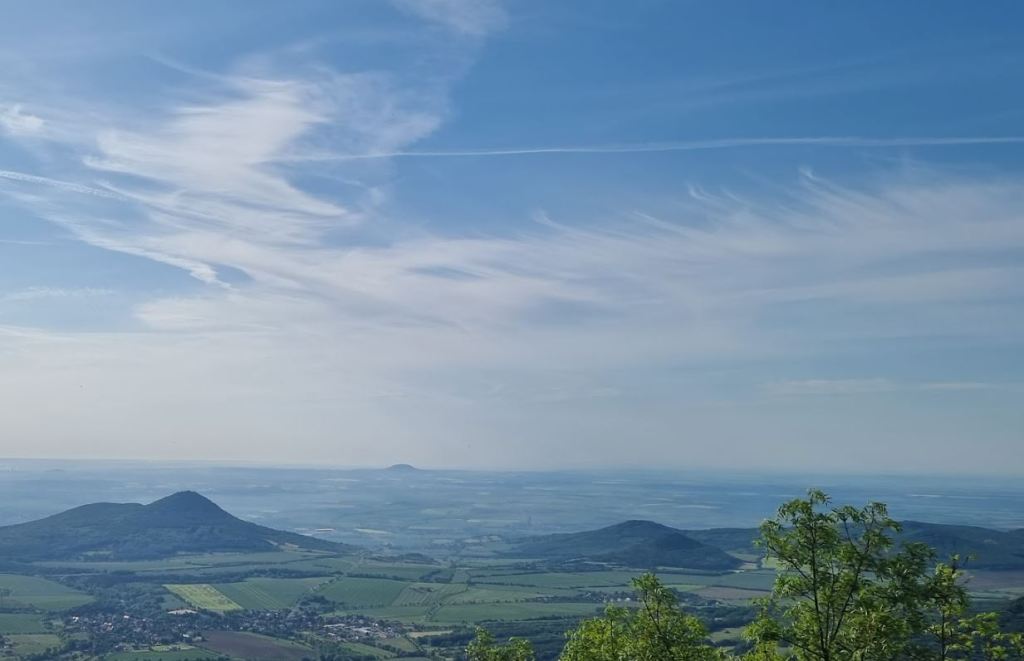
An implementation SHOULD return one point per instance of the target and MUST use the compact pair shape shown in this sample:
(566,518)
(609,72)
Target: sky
(522,234)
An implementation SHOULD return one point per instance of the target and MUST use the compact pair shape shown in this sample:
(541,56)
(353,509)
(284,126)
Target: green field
(21,623)
(189,654)
(349,591)
(451,596)
(33,643)
(255,647)
(35,592)
(269,593)
(720,593)
(425,594)
(367,650)
(471,613)
(205,596)
(563,579)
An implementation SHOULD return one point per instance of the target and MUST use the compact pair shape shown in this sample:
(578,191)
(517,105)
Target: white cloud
(421,342)
(18,122)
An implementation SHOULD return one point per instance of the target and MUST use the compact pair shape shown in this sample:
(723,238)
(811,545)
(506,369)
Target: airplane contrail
(57,183)
(679,146)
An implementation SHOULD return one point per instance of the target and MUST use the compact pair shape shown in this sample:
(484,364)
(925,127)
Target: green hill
(647,544)
(989,549)
(185,522)
(639,544)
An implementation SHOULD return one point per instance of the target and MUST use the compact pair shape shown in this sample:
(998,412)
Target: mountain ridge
(183,522)
(982,548)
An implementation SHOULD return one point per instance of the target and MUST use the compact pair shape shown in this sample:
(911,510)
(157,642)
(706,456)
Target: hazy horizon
(515,234)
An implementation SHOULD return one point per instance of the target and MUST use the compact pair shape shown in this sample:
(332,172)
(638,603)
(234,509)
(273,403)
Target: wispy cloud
(473,17)
(304,300)
(68,186)
(36,293)
(834,387)
(16,121)
(831,387)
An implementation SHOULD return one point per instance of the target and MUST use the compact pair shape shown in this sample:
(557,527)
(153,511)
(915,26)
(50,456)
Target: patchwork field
(205,596)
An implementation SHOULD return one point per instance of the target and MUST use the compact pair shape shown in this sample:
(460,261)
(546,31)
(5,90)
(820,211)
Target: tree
(843,591)
(656,631)
(484,648)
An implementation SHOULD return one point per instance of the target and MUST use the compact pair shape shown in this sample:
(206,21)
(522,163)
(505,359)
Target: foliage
(656,631)
(485,648)
(845,592)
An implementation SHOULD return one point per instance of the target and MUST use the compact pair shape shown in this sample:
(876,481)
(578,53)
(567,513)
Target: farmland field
(721,593)
(269,593)
(33,643)
(204,595)
(190,561)
(418,594)
(352,591)
(35,592)
(188,654)
(470,613)
(561,579)
(254,647)
(21,623)
(366,650)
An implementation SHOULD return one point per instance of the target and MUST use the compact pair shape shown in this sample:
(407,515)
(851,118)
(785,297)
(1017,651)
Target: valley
(241,586)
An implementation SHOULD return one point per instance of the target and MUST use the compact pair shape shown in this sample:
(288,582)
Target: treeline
(844,592)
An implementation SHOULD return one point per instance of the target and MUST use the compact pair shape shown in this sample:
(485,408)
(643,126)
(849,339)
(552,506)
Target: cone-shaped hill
(185,522)
(637,544)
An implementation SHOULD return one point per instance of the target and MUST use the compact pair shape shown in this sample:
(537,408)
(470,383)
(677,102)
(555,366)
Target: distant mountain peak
(186,501)
(402,467)
(184,522)
(635,525)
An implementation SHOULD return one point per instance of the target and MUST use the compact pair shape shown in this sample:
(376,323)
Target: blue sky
(521,234)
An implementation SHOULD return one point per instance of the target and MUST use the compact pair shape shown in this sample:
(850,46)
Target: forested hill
(641,544)
(185,522)
(645,544)
(983,548)
(987,548)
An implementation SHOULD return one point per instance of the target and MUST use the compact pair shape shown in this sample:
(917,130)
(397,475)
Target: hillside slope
(639,544)
(185,522)
(987,548)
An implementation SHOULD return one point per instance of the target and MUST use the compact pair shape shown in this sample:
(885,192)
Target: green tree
(655,631)
(485,648)
(843,591)
(979,638)
(846,592)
